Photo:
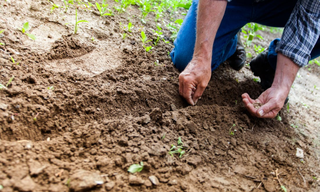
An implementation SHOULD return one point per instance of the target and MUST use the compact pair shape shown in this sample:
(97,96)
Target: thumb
(267,110)
(198,93)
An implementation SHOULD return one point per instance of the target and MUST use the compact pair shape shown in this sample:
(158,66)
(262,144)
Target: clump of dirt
(69,47)
(65,130)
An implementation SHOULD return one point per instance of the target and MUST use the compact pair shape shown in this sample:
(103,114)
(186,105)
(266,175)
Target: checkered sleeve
(301,32)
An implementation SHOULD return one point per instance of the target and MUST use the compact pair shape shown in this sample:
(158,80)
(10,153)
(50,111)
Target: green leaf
(107,14)
(179,141)
(2,86)
(284,188)
(82,21)
(1,43)
(31,36)
(143,36)
(179,21)
(25,27)
(279,118)
(99,8)
(181,153)
(10,80)
(1,31)
(259,36)
(136,168)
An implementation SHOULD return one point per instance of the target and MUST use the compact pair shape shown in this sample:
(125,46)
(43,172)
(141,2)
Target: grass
(77,22)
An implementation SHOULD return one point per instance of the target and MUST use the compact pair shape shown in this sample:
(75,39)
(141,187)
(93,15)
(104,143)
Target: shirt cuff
(291,51)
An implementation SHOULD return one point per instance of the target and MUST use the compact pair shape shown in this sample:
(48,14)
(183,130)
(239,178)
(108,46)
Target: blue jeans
(238,13)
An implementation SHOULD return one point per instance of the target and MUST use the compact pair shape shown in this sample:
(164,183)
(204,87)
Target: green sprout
(54,6)
(103,9)
(124,35)
(0,34)
(10,80)
(77,22)
(144,41)
(13,61)
(231,132)
(136,168)
(164,136)
(35,117)
(283,188)
(177,149)
(130,26)
(2,87)
(279,118)
(51,88)
(26,28)
(255,79)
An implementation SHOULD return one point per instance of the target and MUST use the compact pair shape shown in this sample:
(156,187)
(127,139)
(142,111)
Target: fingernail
(196,102)
(261,113)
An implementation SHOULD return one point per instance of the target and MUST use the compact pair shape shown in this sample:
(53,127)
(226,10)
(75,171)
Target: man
(208,37)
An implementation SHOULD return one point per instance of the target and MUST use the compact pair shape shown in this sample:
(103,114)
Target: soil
(79,112)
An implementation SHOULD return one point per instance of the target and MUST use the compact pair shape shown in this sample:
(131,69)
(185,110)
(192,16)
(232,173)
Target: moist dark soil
(79,112)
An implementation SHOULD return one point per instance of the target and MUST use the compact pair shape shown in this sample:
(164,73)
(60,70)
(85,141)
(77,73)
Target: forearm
(210,14)
(285,73)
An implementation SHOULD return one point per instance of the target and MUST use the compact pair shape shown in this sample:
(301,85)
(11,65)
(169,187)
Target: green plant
(231,132)
(258,49)
(51,88)
(174,28)
(77,22)
(124,35)
(177,149)
(13,61)
(164,136)
(250,32)
(136,168)
(158,33)
(10,80)
(0,34)
(288,107)
(279,118)
(283,188)
(26,28)
(35,117)
(144,41)
(130,26)
(2,87)
(257,80)
(103,9)
(53,7)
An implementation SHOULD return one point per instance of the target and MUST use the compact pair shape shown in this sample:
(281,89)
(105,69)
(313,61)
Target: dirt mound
(65,130)
(69,47)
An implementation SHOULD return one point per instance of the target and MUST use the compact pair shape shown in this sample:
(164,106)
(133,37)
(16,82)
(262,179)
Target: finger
(246,95)
(198,93)
(268,110)
(186,91)
(248,102)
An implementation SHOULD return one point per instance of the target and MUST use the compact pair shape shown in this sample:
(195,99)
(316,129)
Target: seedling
(92,38)
(283,188)
(255,79)
(10,80)
(279,118)
(130,27)
(288,107)
(231,132)
(77,22)
(0,34)
(26,28)
(2,87)
(144,41)
(54,6)
(124,35)
(159,35)
(250,32)
(177,149)
(13,61)
(103,9)
(136,168)
(51,88)
(164,136)
(35,117)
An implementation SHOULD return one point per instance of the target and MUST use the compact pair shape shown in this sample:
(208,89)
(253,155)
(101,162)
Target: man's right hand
(194,79)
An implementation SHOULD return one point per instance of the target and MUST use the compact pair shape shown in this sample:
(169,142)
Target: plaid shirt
(301,32)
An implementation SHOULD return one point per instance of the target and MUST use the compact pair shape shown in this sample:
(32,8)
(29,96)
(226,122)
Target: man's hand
(194,79)
(196,76)
(272,99)
(268,104)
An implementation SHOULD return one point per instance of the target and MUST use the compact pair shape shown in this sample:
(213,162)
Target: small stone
(173,182)
(233,141)
(173,107)
(299,153)
(109,186)
(154,180)
(3,106)
(192,127)
(83,180)
(194,160)
(148,183)
(205,126)
(174,116)
(144,120)
(26,184)
(134,180)
(156,114)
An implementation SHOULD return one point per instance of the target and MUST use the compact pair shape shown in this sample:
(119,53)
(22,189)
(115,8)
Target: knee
(180,61)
